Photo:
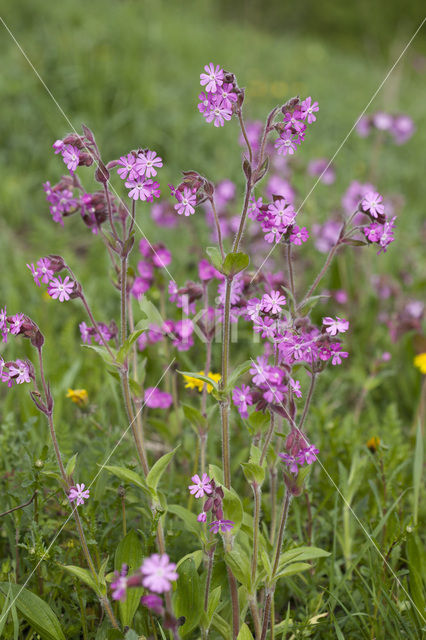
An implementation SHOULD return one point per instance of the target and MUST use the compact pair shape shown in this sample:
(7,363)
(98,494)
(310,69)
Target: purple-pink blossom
(71,157)
(273,302)
(147,163)
(201,486)
(19,371)
(298,235)
(158,573)
(335,326)
(59,289)
(187,201)
(156,399)
(221,525)
(242,398)
(372,204)
(79,494)
(212,79)
(119,584)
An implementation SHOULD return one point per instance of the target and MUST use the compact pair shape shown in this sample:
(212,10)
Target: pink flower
(127,168)
(293,121)
(207,272)
(16,323)
(58,289)
(254,307)
(78,493)
(266,326)
(307,455)
(153,602)
(71,157)
(201,486)
(212,78)
(227,95)
(291,462)
(308,108)
(19,371)
(282,212)
(298,235)
(218,114)
(242,398)
(147,163)
(140,189)
(285,144)
(162,257)
(202,517)
(156,399)
(158,572)
(58,145)
(295,387)
(221,525)
(371,203)
(119,585)
(339,325)
(273,302)
(187,202)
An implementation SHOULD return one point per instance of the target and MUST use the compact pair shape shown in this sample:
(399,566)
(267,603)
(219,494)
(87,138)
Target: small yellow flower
(195,383)
(373,444)
(79,396)
(420,362)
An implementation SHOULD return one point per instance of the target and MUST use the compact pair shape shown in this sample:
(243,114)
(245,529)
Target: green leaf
(238,562)
(151,312)
(84,575)
(214,599)
(259,421)
(245,633)
(307,305)
(199,376)
(237,373)
(417,470)
(253,472)
(235,262)
(154,476)
(129,551)
(197,557)
(188,599)
(36,612)
(232,508)
(132,635)
(292,569)
(102,352)
(127,344)
(215,257)
(195,416)
(301,553)
(221,626)
(129,476)
(71,465)
(190,519)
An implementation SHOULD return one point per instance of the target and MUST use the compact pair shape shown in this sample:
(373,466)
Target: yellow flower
(420,362)
(373,444)
(79,396)
(195,383)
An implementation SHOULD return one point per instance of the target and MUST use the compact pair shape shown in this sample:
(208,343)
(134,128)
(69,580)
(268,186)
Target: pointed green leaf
(126,346)
(129,476)
(292,569)
(195,416)
(36,612)
(245,633)
(151,312)
(237,373)
(153,477)
(84,575)
(129,551)
(235,262)
(188,597)
(190,519)
(106,357)
(71,465)
(215,257)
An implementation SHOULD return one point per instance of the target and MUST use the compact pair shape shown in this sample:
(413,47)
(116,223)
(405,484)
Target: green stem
(290,272)
(321,274)
(218,229)
(307,403)
(269,435)
(256,518)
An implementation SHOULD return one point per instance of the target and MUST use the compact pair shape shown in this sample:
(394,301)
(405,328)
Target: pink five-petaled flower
(201,486)
(298,235)
(217,114)
(307,455)
(58,289)
(335,326)
(221,525)
(295,387)
(140,189)
(371,204)
(16,323)
(272,302)
(308,108)
(19,371)
(202,517)
(127,168)
(158,572)
(71,157)
(285,144)
(147,163)
(291,462)
(79,494)
(282,212)
(119,585)
(242,398)
(212,79)
(187,202)
(156,399)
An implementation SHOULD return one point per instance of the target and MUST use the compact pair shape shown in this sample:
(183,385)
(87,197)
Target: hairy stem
(244,132)
(308,402)
(321,273)
(218,229)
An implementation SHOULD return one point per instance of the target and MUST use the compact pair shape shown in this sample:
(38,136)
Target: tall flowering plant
(271,391)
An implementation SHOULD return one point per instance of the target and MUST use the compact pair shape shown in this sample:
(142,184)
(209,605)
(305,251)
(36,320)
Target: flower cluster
(108,332)
(155,256)
(380,231)
(57,288)
(205,487)
(297,115)
(138,168)
(18,371)
(278,221)
(220,96)
(299,452)
(400,127)
(75,151)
